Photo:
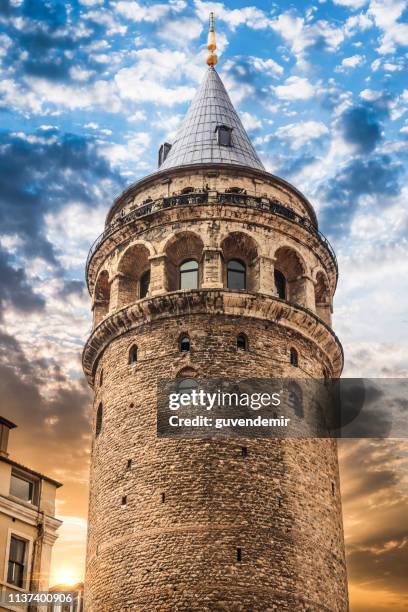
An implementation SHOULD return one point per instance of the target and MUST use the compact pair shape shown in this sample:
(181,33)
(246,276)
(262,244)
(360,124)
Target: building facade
(28,527)
(210,267)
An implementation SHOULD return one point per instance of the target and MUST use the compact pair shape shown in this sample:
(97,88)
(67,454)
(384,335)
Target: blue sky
(88,91)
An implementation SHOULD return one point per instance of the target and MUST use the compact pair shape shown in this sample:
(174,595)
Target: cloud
(136,11)
(250,16)
(386,14)
(152,78)
(352,62)
(299,134)
(353,4)
(360,127)
(38,176)
(294,88)
(304,37)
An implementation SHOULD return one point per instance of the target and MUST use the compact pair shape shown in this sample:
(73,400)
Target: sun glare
(66,575)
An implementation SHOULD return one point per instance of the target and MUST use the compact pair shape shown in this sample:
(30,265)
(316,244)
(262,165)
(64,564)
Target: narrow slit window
(242,342)
(129,464)
(133,354)
(280,284)
(124,500)
(244,451)
(99,417)
(333,488)
(163,498)
(294,357)
(101,378)
(239,554)
(184,343)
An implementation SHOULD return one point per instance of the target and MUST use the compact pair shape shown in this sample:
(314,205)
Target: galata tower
(210,267)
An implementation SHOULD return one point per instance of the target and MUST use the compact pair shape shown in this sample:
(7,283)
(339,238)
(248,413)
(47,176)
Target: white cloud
(267,66)
(250,121)
(250,16)
(386,14)
(134,11)
(190,29)
(299,134)
(352,62)
(358,23)
(294,88)
(153,78)
(371,95)
(353,4)
(79,74)
(300,35)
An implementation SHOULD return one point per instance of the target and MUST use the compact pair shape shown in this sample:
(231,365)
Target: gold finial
(212,59)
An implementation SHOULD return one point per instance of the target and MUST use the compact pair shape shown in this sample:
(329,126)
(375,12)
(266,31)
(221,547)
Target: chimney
(163,152)
(5,427)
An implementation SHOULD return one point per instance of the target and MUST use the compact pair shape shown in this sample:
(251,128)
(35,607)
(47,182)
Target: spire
(212,132)
(212,59)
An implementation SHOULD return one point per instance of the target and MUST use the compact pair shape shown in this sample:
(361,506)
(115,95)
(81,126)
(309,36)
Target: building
(210,267)
(77,603)
(28,527)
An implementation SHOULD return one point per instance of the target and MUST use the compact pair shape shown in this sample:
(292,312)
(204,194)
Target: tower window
(129,464)
(133,354)
(189,274)
(98,424)
(101,378)
(242,342)
(236,275)
(294,357)
(184,343)
(163,498)
(124,500)
(224,135)
(333,488)
(239,555)
(280,284)
(244,451)
(144,284)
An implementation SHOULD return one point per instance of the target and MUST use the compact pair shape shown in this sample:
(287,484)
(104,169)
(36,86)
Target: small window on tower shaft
(224,135)
(101,378)
(239,555)
(294,357)
(133,354)
(184,343)
(242,342)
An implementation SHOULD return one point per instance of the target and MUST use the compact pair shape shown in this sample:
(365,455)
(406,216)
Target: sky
(88,91)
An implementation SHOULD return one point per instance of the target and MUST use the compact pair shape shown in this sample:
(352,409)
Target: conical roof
(196,141)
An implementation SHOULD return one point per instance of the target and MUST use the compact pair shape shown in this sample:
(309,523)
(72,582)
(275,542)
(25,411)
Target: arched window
(294,357)
(187,190)
(98,424)
(144,284)
(184,343)
(133,354)
(189,274)
(236,274)
(187,385)
(242,342)
(280,284)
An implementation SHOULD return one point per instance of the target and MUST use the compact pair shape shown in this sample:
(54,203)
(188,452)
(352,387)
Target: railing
(201,197)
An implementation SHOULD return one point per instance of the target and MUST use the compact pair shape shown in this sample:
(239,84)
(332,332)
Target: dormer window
(224,135)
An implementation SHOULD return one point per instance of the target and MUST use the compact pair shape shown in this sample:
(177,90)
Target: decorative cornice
(157,177)
(209,302)
(30,516)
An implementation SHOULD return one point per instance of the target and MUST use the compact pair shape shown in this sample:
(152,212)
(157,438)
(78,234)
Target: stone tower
(210,267)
